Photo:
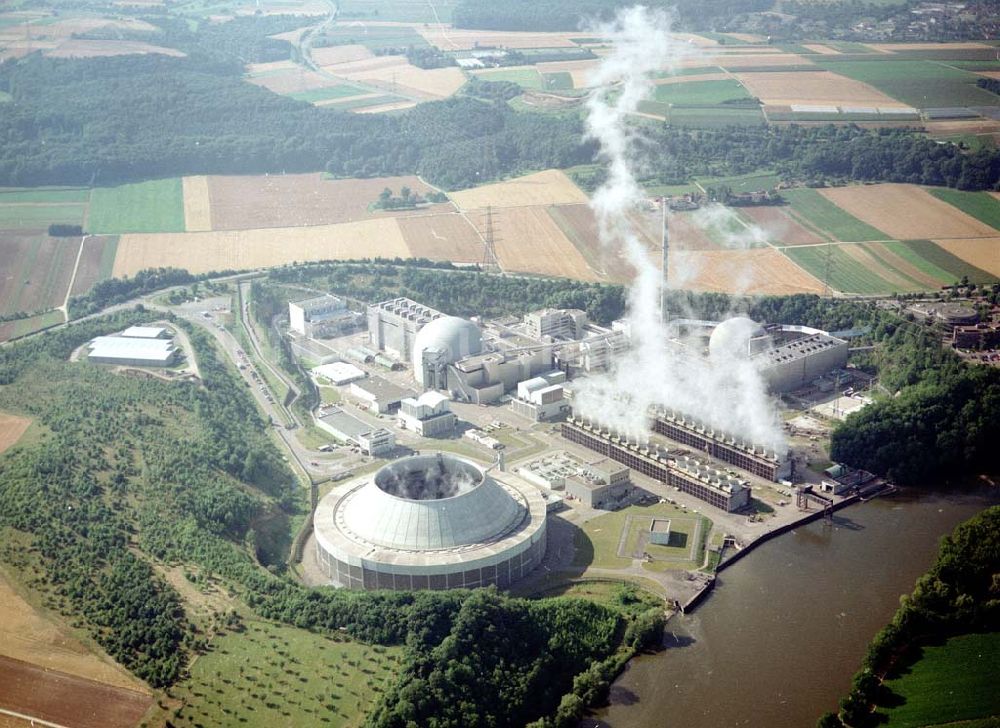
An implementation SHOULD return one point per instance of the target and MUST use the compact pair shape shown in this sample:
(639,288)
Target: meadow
(980,205)
(400,11)
(845,274)
(921,84)
(524,77)
(701,93)
(323,94)
(145,207)
(814,210)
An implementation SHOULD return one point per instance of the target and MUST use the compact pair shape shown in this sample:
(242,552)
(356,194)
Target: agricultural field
(715,117)
(916,83)
(397,75)
(753,182)
(22,327)
(980,253)
(701,92)
(400,11)
(981,205)
(340,91)
(270,675)
(35,271)
(814,88)
(815,211)
(551,187)
(248,249)
(906,212)
(443,237)
(843,270)
(780,226)
(524,76)
(578,224)
(12,428)
(529,241)
(579,71)
(197,205)
(458,39)
(952,682)
(757,271)
(96,262)
(243,202)
(154,206)
(332,55)
(35,208)
(373,36)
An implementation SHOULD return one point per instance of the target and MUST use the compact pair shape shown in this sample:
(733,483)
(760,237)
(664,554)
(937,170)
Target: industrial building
(142,351)
(441,343)
(346,428)
(541,398)
(380,395)
(428,415)
(659,531)
(393,325)
(145,332)
(598,484)
(338,373)
(321,316)
(562,324)
(711,485)
(430,522)
(728,448)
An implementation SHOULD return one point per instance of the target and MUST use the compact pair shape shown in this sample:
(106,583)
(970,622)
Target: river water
(777,642)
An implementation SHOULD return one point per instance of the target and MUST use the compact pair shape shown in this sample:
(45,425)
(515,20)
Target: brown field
(579,225)
(31,636)
(781,228)
(80,48)
(452,39)
(865,259)
(68,700)
(255,68)
(984,253)
(379,108)
(988,74)
(11,429)
(403,77)
(747,37)
(551,187)
(293,81)
(963,126)
(823,50)
(579,70)
(251,202)
(529,241)
(906,212)
(292,36)
(443,237)
(904,266)
(892,47)
(695,40)
(750,60)
(35,271)
(88,272)
(757,271)
(669,80)
(249,249)
(813,87)
(339,54)
(685,234)
(197,204)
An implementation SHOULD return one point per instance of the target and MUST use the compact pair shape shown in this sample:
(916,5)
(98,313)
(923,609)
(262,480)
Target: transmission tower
(828,264)
(490,262)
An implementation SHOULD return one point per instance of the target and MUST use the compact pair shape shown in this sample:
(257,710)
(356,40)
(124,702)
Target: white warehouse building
(137,352)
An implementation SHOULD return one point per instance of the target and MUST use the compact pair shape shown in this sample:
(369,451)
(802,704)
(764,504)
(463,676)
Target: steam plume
(728,394)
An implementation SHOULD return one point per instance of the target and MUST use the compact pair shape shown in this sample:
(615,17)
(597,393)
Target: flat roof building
(338,372)
(145,332)
(380,395)
(139,352)
(349,429)
(428,415)
(602,483)
(321,316)
(393,325)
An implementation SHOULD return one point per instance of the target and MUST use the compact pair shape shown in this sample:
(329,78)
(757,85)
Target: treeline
(117,290)
(957,596)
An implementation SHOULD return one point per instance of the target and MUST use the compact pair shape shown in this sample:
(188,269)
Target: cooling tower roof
(731,338)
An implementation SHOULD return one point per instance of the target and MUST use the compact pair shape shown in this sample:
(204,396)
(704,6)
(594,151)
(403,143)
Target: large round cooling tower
(446,340)
(430,522)
(731,338)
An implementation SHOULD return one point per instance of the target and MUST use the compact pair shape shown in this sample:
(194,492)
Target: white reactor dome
(429,522)
(444,341)
(731,338)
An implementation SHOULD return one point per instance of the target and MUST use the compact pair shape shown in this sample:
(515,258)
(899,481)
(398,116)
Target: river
(777,642)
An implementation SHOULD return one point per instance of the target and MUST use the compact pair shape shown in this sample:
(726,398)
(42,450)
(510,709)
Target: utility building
(393,325)
(428,415)
(562,324)
(136,352)
(321,316)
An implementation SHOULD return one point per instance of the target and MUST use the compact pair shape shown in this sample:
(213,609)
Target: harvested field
(68,700)
(442,237)
(813,87)
(403,77)
(529,241)
(579,225)
(893,47)
(248,249)
(780,227)
(906,212)
(452,39)
(551,187)
(31,636)
(80,48)
(339,54)
(686,234)
(865,258)
(758,271)
(251,202)
(751,60)
(292,81)
(983,253)
(11,429)
(259,69)
(96,262)
(823,50)
(379,108)
(579,70)
(35,271)
(197,205)
(962,126)
(747,37)
(687,78)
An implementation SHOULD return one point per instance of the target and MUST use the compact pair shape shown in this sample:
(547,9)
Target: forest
(958,595)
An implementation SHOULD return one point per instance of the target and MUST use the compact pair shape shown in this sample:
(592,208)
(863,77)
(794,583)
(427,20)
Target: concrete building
(561,324)
(704,482)
(441,343)
(379,395)
(145,332)
(485,378)
(338,373)
(796,362)
(599,484)
(136,352)
(430,522)
(428,415)
(321,316)
(538,399)
(659,531)
(393,325)
(346,428)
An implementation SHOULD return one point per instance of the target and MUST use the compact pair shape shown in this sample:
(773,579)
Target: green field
(701,93)
(25,326)
(980,205)
(322,94)
(951,682)
(29,216)
(817,212)
(597,540)
(352,103)
(743,183)
(156,206)
(523,77)
(271,675)
(699,71)
(704,118)
(10,195)
(561,81)
(400,11)
(845,273)
(921,84)
(958,268)
(373,37)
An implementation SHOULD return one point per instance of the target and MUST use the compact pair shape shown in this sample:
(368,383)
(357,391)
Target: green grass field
(744,182)
(400,11)
(846,274)
(921,84)
(353,103)
(958,268)
(25,326)
(523,77)
(597,541)
(950,682)
(339,91)
(561,81)
(374,37)
(156,206)
(907,252)
(10,195)
(704,118)
(31,216)
(271,675)
(701,93)
(811,208)
(980,205)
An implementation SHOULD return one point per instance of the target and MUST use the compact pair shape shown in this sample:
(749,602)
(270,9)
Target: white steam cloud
(728,393)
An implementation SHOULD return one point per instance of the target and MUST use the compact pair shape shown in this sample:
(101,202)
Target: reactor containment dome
(731,338)
(442,342)
(429,522)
